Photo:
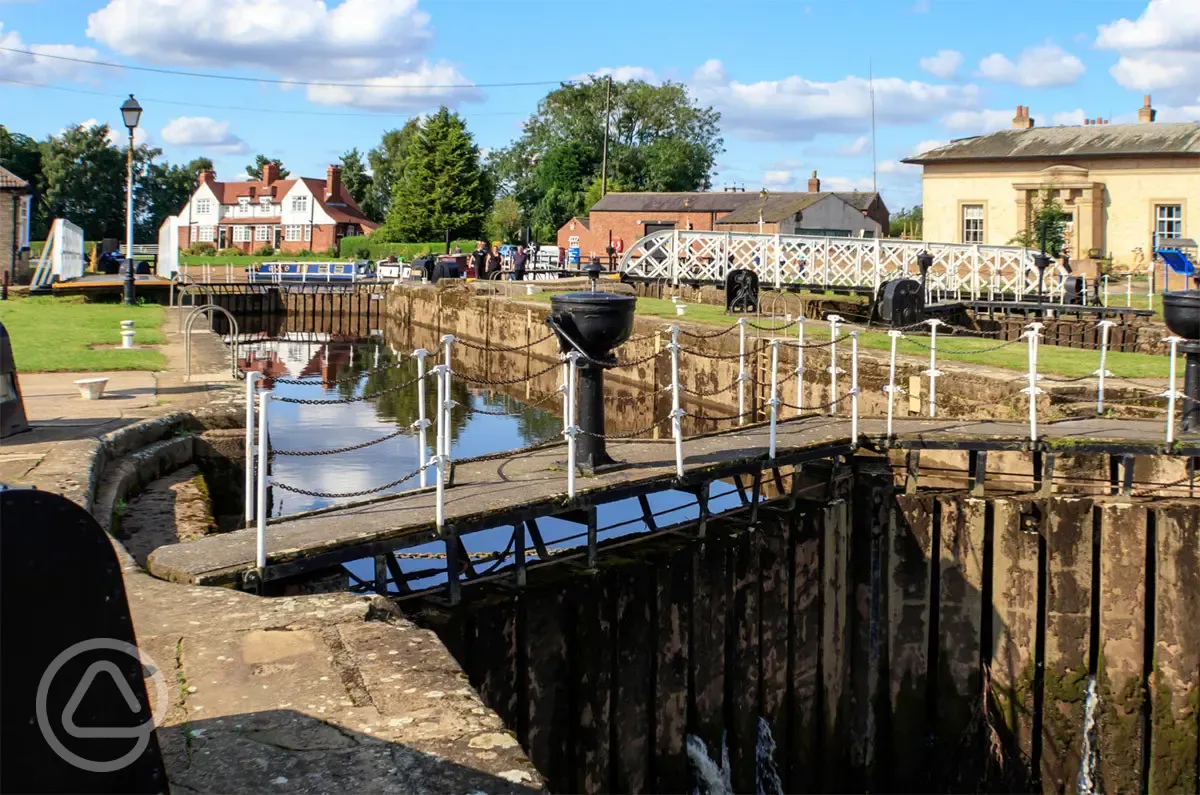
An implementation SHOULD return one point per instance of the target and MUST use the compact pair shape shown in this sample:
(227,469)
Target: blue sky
(788,77)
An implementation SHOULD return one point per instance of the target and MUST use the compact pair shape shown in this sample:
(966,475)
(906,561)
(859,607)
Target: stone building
(1121,184)
(16,206)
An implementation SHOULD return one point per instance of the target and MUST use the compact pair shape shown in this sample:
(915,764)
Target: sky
(792,79)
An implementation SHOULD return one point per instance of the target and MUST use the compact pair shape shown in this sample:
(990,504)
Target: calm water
(340,368)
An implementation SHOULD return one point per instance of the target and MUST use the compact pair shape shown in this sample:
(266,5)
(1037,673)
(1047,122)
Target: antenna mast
(871,88)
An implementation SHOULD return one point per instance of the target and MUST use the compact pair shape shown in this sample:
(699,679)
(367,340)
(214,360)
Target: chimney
(1022,121)
(814,184)
(270,173)
(206,176)
(1145,112)
(333,184)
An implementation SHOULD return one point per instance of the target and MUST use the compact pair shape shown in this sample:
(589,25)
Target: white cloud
(623,73)
(35,69)
(777,180)
(1160,50)
(1068,117)
(1036,67)
(203,132)
(925,146)
(846,184)
(795,108)
(978,121)
(118,136)
(375,42)
(856,147)
(944,64)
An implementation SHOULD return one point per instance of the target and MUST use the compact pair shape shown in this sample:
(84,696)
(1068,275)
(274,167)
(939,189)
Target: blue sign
(573,255)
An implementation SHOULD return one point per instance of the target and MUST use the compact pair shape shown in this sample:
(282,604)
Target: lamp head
(131,112)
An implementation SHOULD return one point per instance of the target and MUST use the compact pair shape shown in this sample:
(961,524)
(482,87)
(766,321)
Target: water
(711,778)
(766,773)
(1090,752)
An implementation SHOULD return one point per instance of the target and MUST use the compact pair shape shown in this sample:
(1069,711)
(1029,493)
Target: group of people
(489,264)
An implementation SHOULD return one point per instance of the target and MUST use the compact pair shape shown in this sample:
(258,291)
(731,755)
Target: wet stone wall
(856,638)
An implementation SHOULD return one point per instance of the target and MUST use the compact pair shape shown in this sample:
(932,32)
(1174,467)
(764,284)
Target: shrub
(361,247)
(205,249)
(304,252)
(331,252)
(230,252)
(264,251)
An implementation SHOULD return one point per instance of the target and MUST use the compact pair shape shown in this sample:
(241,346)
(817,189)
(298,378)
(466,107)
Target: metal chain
(636,362)
(502,349)
(529,448)
(709,336)
(626,434)
(1053,380)
(963,352)
(524,407)
(347,449)
(784,327)
(746,413)
(751,350)
(348,379)
(821,407)
(505,381)
(343,494)
(331,401)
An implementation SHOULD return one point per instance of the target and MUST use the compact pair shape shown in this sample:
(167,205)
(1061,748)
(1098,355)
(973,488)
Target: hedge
(361,247)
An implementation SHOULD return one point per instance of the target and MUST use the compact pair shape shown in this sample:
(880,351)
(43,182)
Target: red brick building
(286,214)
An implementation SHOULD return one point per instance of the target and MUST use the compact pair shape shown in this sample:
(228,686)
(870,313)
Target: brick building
(16,204)
(286,214)
(627,217)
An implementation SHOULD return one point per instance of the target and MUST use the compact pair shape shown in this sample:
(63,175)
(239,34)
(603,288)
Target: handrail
(187,338)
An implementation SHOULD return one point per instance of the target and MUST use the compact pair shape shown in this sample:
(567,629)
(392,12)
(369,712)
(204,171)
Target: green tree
(85,180)
(200,164)
(1047,221)
(443,188)
(354,175)
(908,221)
(504,222)
(255,169)
(22,155)
(387,168)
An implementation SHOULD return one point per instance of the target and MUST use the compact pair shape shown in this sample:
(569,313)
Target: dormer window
(265,202)
(243,203)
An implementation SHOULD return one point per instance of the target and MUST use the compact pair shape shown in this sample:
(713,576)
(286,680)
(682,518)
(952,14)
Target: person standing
(518,266)
(479,259)
(494,263)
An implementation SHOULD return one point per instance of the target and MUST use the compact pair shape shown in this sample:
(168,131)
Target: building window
(265,202)
(308,232)
(972,223)
(1168,220)
(243,205)
(241,234)
(207,234)
(293,232)
(203,206)
(262,233)
(299,204)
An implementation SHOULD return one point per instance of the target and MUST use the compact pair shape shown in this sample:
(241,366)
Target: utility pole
(604,158)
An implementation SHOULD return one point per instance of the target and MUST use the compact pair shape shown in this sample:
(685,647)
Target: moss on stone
(1173,749)
(1065,701)
(1119,720)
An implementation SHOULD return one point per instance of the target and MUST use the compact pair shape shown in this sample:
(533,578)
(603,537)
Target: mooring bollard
(1171,394)
(264,452)
(677,412)
(933,372)
(447,342)
(833,368)
(854,388)
(774,403)
(127,334)
(800,366)
(890,388)
(252,378)
(1102,373)
(442,430)
(572,428)
(741,368)
(1032,333)
(422,422)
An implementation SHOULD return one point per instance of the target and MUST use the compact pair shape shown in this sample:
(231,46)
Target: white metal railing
(960,270)
(167,250)
(62,256)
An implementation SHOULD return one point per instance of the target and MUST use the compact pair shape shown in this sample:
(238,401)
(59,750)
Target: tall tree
(387,168)
(196,165)
(443,188)
(504,222)
(255,169)
(354,175)
(85,180)
(660,140)
(22,155)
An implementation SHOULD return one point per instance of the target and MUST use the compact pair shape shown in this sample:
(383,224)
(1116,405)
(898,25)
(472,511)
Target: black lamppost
(131,114)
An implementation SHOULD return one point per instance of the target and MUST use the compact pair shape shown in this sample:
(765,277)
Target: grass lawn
(1052,360)
(53,334)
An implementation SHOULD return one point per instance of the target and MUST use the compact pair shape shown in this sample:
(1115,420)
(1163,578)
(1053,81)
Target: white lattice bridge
(965,271)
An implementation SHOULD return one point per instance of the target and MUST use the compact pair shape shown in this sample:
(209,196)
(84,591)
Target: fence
(63,255)
(839,402)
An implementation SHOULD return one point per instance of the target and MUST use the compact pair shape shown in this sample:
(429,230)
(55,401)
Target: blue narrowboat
(313,272)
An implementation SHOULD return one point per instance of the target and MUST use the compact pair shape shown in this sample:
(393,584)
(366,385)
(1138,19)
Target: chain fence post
(1171,394)
(422,420)
(676,411)
(1105,290)
(439,475)
(854,388)
(774,393)
(260,502)
(1102,373)
(439,372)
(572,429)
(890,388)
(741,367)
(565,388)
(1032,332)
(800,366)
(933,372)
(252,378)
(1129,290)
(834,320)
(448,342)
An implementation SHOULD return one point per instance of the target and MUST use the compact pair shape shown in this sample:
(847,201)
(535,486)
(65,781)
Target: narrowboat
(313,271)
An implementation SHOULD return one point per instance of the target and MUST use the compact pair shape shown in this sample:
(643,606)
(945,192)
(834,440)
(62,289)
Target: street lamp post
(131,113)
(762,195)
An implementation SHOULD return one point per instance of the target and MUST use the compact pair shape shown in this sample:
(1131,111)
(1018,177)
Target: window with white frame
(241,234)
(262,233)
(1168,220)
(203,206)
(265,202)
(207,233)
(243,205)
(972,223)
(293,232)
(299,204)
(307,232)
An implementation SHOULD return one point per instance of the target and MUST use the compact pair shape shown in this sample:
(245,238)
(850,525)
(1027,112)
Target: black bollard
(1041,261)
(1181,313)
(592,324)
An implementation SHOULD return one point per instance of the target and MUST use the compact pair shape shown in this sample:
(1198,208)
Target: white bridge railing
(977,272)
(62,257)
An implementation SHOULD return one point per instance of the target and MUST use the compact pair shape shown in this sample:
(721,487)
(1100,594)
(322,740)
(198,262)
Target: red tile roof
(11,180)
(342,209)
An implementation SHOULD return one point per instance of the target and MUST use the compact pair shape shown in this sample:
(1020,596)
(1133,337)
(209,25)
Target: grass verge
(55,334)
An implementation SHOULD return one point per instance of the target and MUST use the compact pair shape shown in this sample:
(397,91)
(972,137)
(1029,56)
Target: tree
(354,175)
(504,223)
(22,155)
(909,222)
(85,180)
(1047,224)
(202,164)
(443,187)
(255,169)
(660,140)
(387,168)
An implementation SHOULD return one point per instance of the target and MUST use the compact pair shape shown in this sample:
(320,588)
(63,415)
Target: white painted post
(774,403)
(447,342)
(1105,301)
(436,462)
(1032,333)
(442,430)
(891,390)
(422,420)
(1129,290)
(1102,373)
(252,378)
(264,452)
(741,370)
(833,368)
(854,388)
(565,388)
(1171,394)
(572,429)
(778,264)
(676,411)
(1150,288)
(933,372)
(800,366)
